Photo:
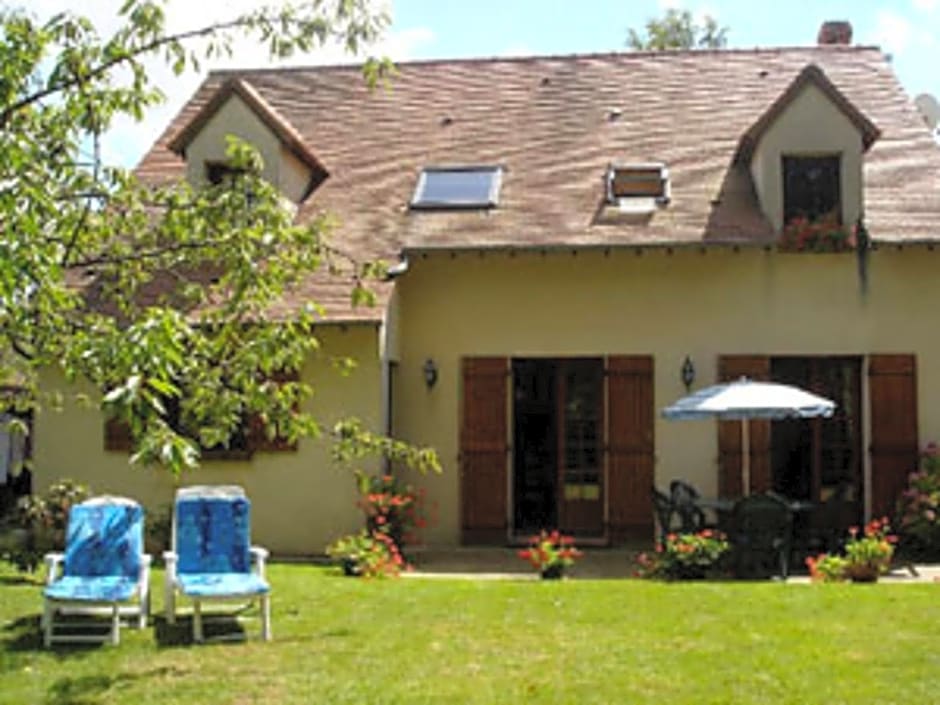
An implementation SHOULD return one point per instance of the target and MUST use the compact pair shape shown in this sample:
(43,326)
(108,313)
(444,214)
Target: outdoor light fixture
(430,373)
(688,372)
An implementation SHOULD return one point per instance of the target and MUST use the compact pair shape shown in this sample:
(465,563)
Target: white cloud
(926,5)
(127,140)
(893,32)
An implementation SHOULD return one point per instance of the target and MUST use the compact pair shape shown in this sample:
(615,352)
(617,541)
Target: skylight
(637,188)
(441,188)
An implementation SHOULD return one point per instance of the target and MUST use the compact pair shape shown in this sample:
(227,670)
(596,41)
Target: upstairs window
(812,188)
(442,188)
(218,173)
(638,188)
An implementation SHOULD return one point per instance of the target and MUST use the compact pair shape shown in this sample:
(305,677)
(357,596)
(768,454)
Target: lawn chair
(761,536)
(104,569)
(211,557)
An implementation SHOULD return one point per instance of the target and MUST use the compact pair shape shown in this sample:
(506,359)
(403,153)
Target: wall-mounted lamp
(430,373)
(688,373)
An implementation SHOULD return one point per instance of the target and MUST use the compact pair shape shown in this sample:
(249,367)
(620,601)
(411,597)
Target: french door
(558,457)
(813,458)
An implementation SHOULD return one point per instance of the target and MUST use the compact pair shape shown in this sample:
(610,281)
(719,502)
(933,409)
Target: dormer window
(812,188)
(218,173)
(638,187)
(463,187)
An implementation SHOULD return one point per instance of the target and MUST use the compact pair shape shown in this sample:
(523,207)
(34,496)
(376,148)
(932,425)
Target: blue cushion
(222,584)
(213,535)
(104,540)
(95,589)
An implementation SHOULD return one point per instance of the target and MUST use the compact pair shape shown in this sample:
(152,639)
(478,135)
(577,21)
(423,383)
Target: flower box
(803,235)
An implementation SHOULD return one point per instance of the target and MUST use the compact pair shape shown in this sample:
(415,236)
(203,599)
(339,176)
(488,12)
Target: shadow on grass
(21,579)
(25,634)
(215,627)
(84,690)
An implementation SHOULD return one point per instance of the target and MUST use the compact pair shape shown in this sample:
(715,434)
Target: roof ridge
(533,58)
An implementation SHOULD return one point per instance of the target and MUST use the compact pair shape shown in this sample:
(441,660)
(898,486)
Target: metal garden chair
(761,536)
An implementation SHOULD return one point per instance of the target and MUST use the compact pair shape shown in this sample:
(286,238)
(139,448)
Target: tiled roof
(555,123)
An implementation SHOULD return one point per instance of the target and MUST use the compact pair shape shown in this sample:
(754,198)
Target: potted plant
(826,568)
(366,554)
(551,553)
(687,556)
(867,556)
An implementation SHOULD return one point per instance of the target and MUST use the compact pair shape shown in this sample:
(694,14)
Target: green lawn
(343,640)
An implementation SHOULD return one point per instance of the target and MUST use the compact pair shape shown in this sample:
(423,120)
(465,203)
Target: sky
(907,30)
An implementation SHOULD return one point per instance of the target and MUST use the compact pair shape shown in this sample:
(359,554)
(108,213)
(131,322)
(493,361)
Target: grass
(343,640)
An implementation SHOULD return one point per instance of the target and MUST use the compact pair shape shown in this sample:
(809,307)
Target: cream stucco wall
(300,501)
(810,125)
(665,305)
(281,167)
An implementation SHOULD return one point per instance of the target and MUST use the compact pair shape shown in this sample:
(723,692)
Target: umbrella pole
(745,458)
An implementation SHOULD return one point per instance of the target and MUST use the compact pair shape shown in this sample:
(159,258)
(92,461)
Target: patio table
(724,506)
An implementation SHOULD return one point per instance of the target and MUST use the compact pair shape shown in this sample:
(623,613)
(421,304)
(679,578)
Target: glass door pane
(581,440)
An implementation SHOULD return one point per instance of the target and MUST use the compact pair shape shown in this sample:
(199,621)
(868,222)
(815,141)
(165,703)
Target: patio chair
(829,522)
(761,537)
(212,558)
(104,570)
(691,516)
(665,512)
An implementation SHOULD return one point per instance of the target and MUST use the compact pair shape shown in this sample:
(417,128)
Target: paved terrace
(505,564)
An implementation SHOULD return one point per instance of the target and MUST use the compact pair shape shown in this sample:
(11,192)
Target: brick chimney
(835,32)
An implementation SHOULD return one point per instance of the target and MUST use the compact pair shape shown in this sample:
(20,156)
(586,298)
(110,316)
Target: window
(250,437)
(812,188)
(638,188)
(219,172)
(442,188)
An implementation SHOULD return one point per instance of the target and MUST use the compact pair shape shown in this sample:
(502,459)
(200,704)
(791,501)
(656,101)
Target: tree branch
(110,64)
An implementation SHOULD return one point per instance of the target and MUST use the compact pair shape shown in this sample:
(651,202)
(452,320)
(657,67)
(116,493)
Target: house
(577,240)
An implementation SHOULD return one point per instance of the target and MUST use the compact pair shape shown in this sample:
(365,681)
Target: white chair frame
(259,558)
(136,614)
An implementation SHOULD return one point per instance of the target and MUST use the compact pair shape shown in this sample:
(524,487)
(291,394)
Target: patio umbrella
(744,400)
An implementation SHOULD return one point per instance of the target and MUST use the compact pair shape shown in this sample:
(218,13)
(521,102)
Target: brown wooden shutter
(117,435)
(257,437)
(892,388)
(630,434)
(484,451)
(730,368)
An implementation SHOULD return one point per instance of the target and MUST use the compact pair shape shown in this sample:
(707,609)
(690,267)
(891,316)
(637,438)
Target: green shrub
(39,522)
(919,507)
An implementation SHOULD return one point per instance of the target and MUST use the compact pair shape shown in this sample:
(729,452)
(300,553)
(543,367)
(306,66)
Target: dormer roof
(236,86)
(815,76)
